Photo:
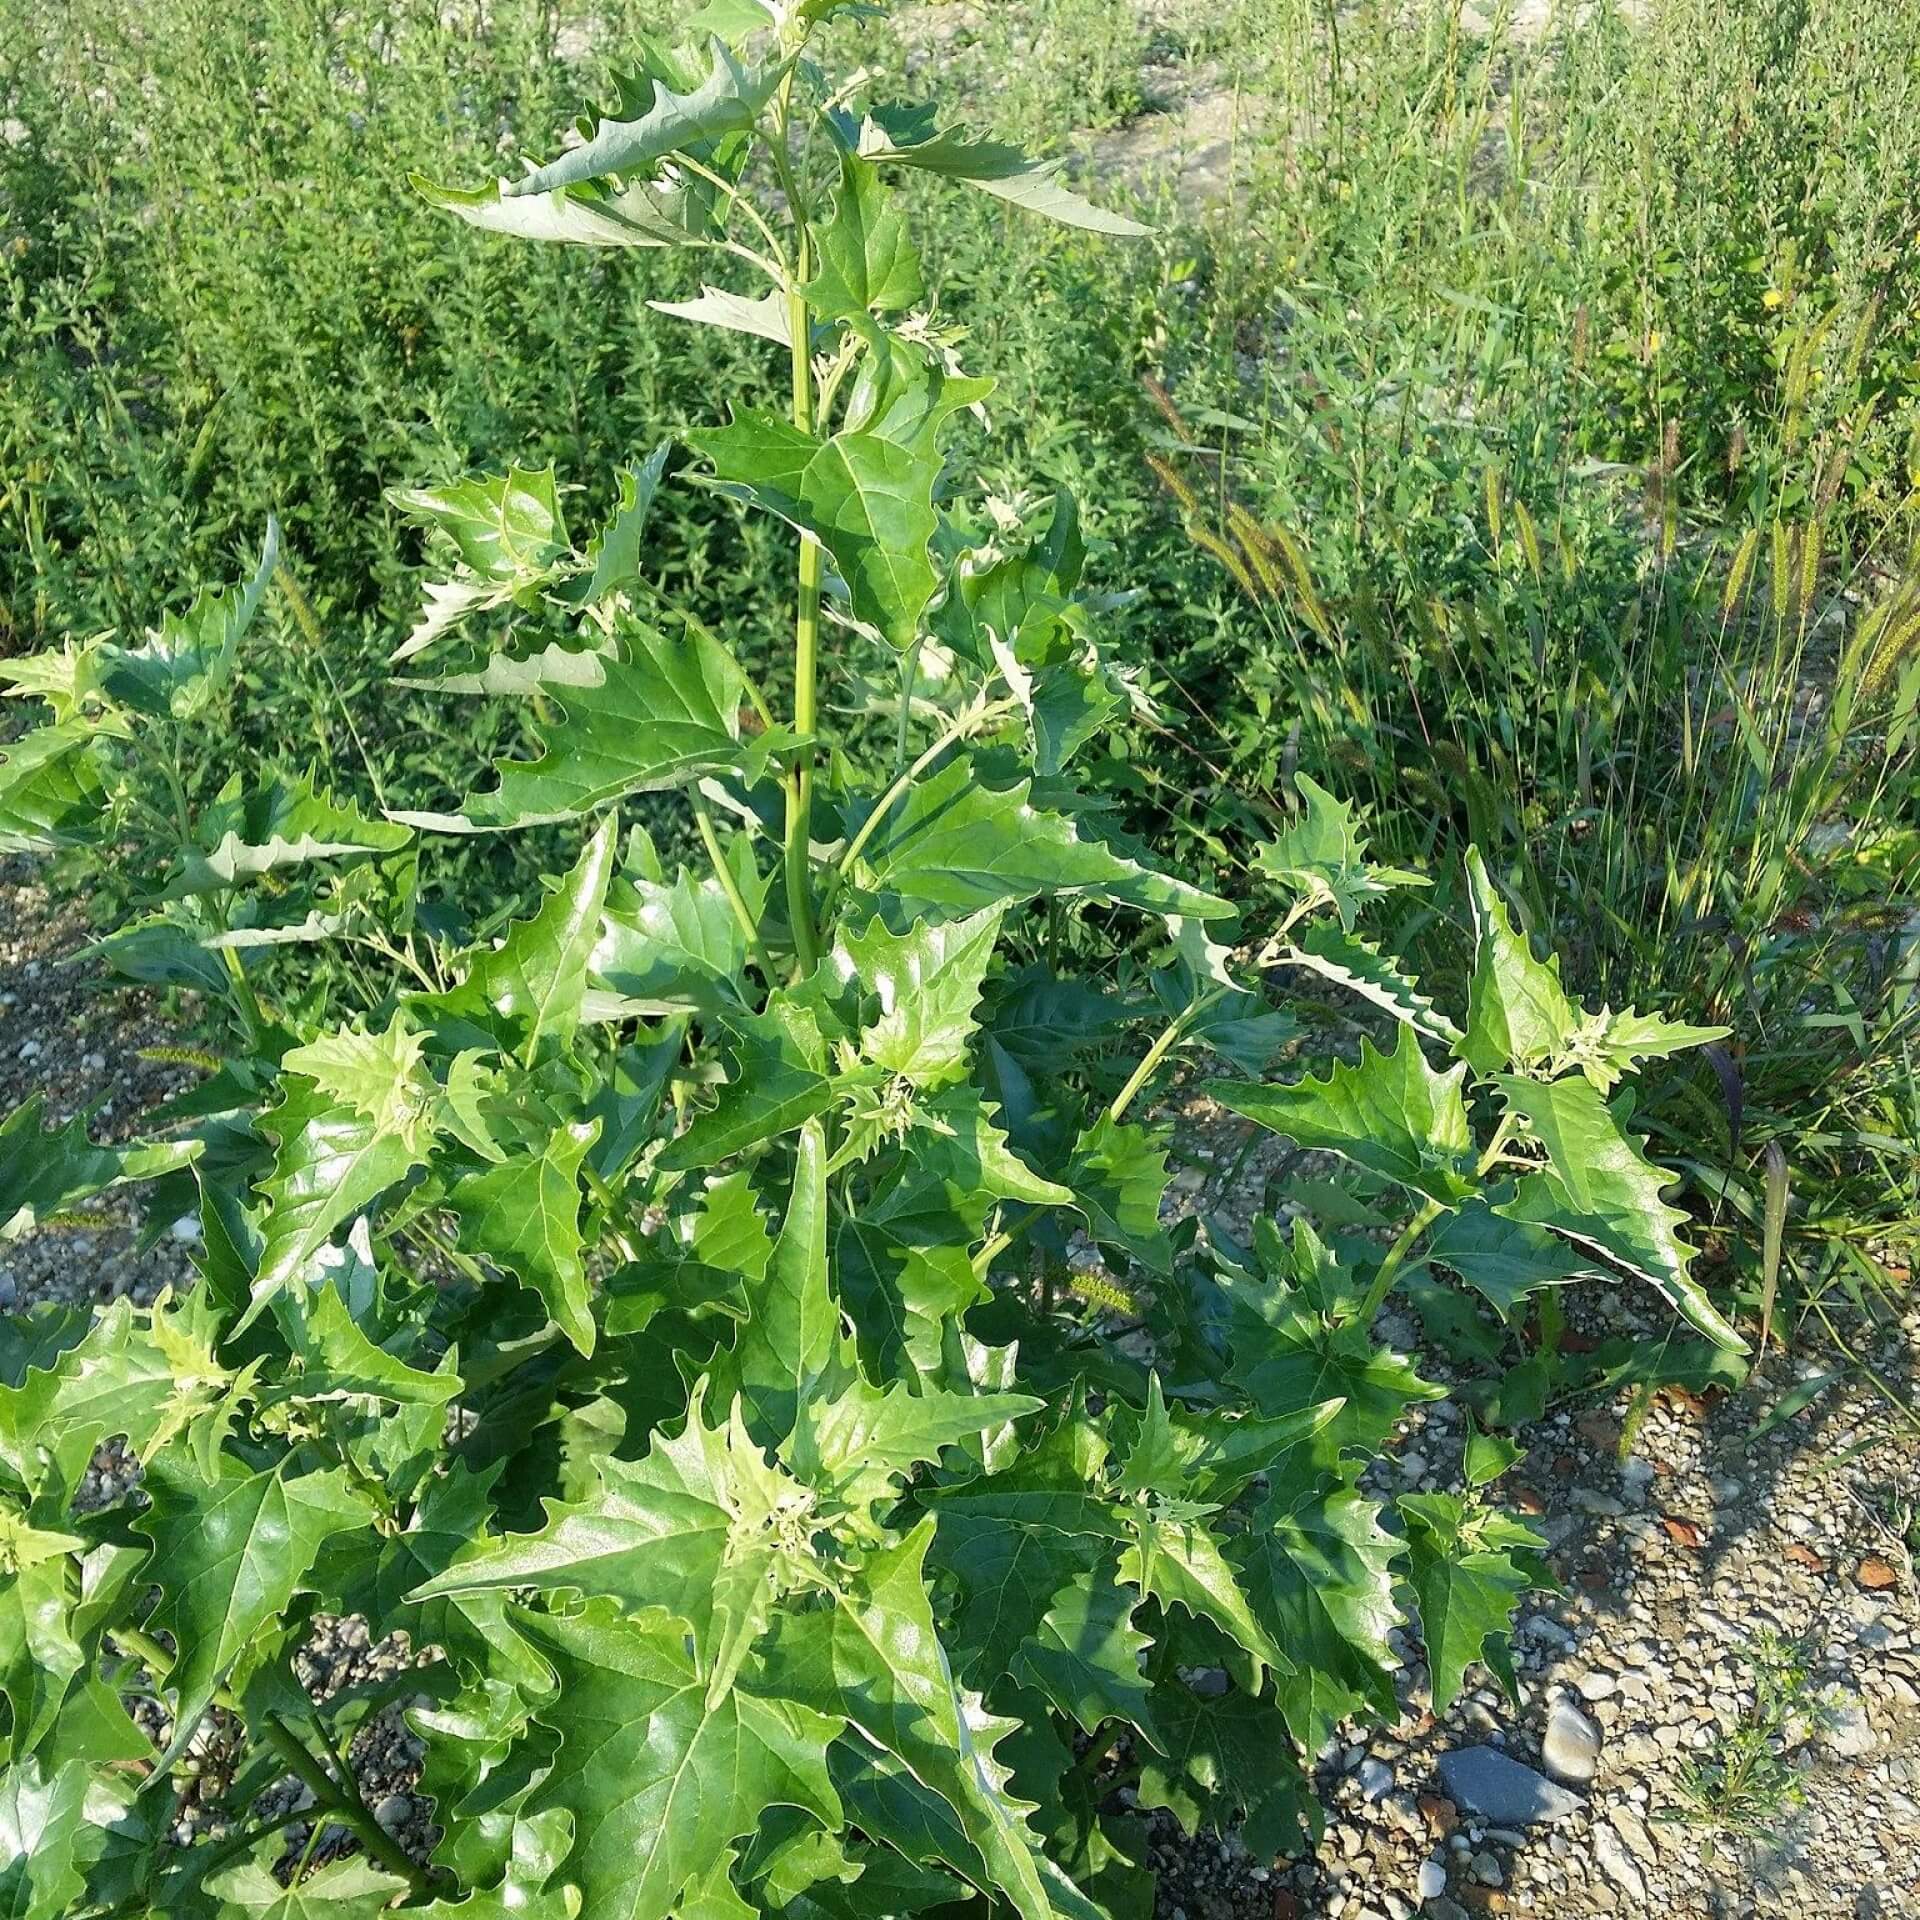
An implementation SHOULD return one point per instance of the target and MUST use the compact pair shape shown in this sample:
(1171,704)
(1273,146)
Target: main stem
(806,627)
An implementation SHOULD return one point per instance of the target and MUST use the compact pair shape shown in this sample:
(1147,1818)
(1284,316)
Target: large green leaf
(177,670)
(72,1383)
(45,1839)
(1322,857)
(659,1779)
(780,1081)
(528,993)
(525,1216)
(1317,1570)
(1085,1657)
(656,715)
(1518,1014)
(1172,1555)
(53,788)
(39,1657)
(1389,1113)
(866,263)
(927,985)
(350,1889)
(1228,1759)
(678,1530)
(1504,1259)
(1350,962)
(655,121)
(230,1551)
(1601,1192)
(1468,1567)
(874,1656)
(283,824)
(354,1120)
(909,137)
(865,496)
(1118,1177)
(672,947)
(958,843)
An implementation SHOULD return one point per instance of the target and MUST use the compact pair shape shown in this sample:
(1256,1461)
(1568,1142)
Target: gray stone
(1633,1830)
(1571,1748)
(1433,1879)
(1614,1863)
(1596,1685)
(394,1811)
(1590,1500)
(1502,1790)
(1376,1780)
(1848,1733)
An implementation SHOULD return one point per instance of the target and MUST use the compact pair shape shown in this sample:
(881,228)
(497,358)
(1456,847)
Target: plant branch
(352,1811)
(703,819)
(1170,1037)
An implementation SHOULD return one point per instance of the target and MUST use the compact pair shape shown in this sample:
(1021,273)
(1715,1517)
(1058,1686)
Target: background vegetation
(1515,427)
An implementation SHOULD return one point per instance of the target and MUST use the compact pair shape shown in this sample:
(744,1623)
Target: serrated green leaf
(658,715)
(230,1553)
(39,1657)
(677,1531)
(658,121)
(178,669)
(1173,1556)
(865,496)
(1467,1567)
(76,1385)
(874,1656)
(1601,1192)
(283,824)
(1118,1178)
(908,136)
(866,262)
(659,1779)
(1085,1658)
(957,844)
(673,946)
(1318,1573)
(350,1889)
(767,318)
(614,552)
(1288,1355)
(1390,1114)
(529,992)
(779,1083)
(525,1216)
(53,788)
(927,983)
(1518,1014)
(1362,969)
(1226,1760)
(1322,857)
(45,1839)
(1504,1259)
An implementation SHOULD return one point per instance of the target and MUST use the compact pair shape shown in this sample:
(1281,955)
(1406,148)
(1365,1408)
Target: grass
(1745,1783)
(1524,442)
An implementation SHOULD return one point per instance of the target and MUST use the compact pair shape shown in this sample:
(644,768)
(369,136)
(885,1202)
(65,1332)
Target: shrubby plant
(724,1319)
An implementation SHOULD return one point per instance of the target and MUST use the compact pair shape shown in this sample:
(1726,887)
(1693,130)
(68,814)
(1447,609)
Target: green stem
(964,724)
(703,819)
(351,1811)
(144,1648)
(1169,1038)
(1395,1260)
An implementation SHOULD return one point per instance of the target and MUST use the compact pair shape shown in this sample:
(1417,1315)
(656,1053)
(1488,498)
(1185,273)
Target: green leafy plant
(724,1319)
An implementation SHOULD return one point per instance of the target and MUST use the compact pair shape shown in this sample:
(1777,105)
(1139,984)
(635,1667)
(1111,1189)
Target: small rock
(1597,1685)
(1614,1863)
(394,1812)
(1376,1780)
(1502,1789)
(1210,1682)
(1590,1500)
(1571,1748)
(1633,1830)
(1433,1880)
(1440,1814)
(1412,1466)
(1848,1732)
